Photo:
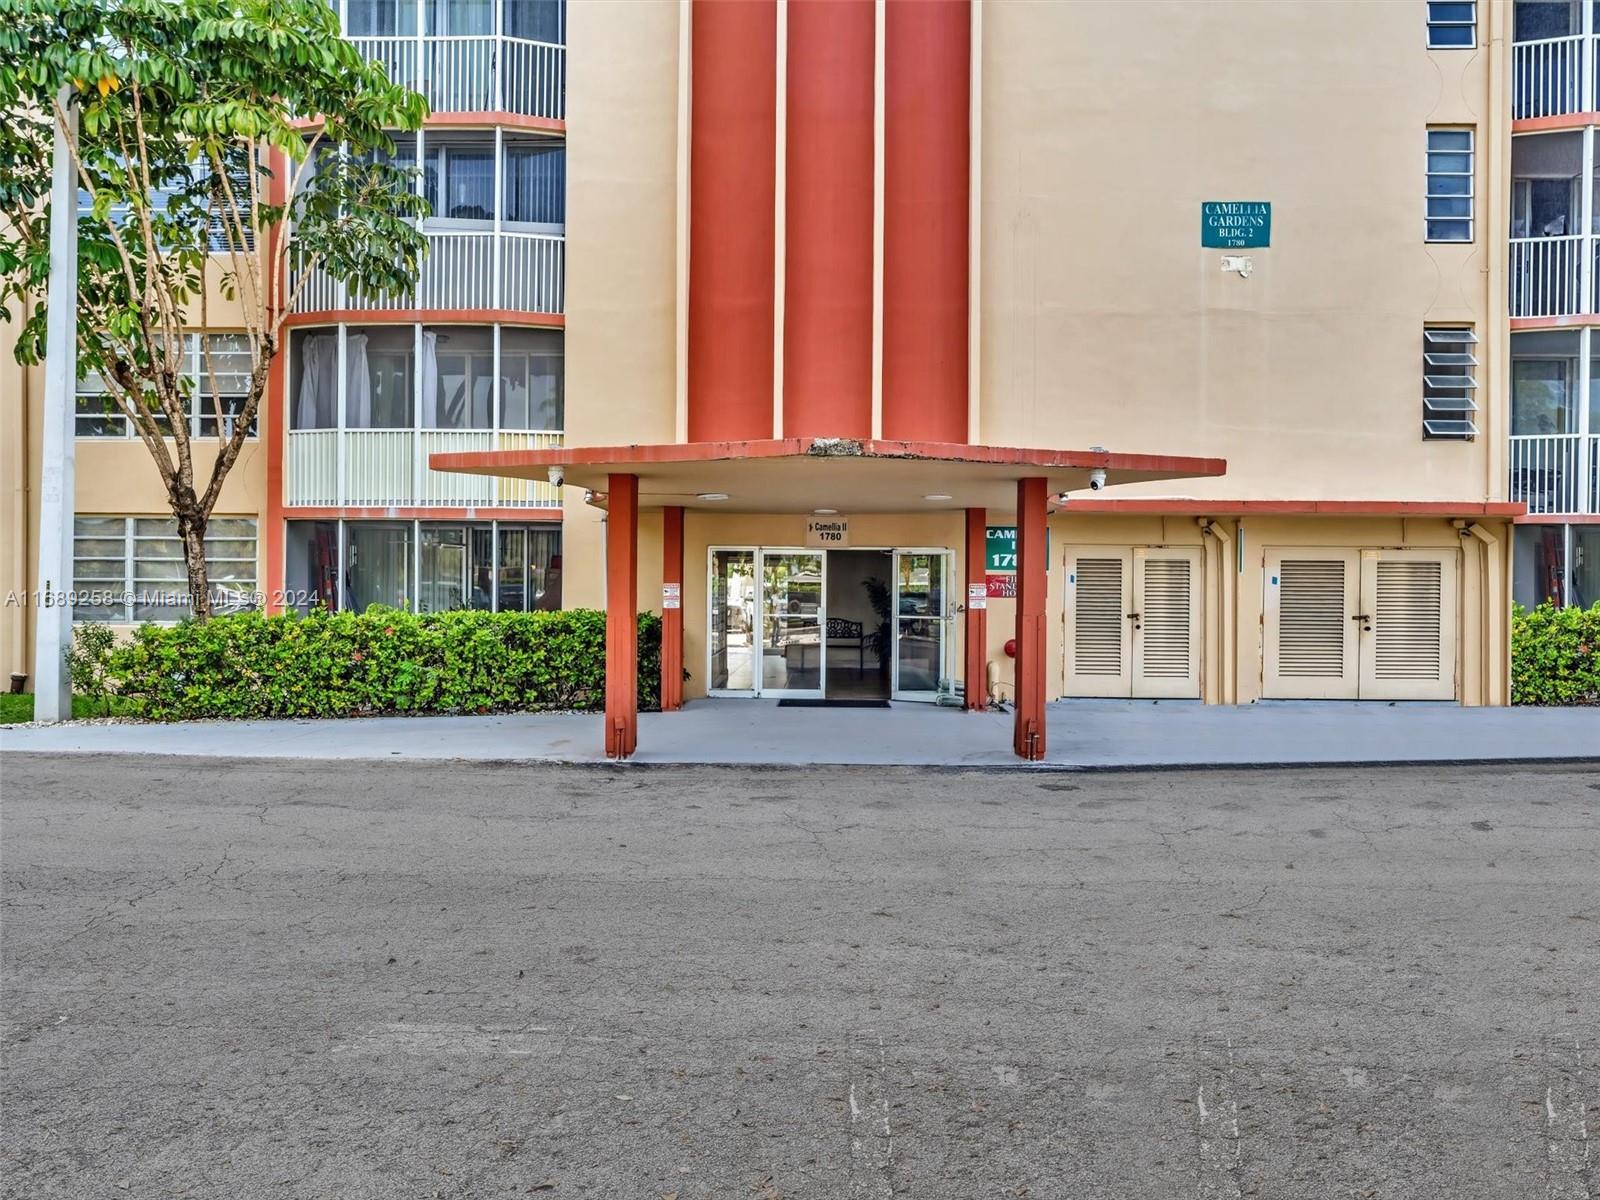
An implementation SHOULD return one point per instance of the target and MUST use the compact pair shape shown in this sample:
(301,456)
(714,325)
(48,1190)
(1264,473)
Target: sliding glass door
(765,621)
(792,648)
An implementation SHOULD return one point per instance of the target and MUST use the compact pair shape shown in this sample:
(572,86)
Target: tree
(228,145)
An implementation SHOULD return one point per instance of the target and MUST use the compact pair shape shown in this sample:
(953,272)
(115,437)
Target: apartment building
(1555,358)
(951,349)
(866,298)
(332,502)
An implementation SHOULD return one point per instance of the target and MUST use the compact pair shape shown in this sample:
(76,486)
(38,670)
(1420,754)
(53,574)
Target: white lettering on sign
(977,595)
(827,531)
(671,595)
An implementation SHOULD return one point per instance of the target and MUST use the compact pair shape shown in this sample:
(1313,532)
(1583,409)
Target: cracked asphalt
(355,979)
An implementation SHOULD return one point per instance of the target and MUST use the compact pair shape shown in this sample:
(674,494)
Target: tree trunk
(193,532)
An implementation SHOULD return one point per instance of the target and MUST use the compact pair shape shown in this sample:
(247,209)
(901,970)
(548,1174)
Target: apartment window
(1449,383)
(216,369)
(1452,24)
(429,566)
(131,569)
(1449,213)
(531,386)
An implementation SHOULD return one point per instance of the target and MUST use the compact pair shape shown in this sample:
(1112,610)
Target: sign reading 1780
(1235,224)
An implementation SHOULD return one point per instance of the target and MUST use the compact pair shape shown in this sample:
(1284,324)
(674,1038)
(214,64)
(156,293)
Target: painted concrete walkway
(1083,733)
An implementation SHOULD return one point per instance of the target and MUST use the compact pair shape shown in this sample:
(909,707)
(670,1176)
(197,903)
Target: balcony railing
(477,74)
(523,272)
(1552,76)
(1546,276)
(1556,473)
(327,468)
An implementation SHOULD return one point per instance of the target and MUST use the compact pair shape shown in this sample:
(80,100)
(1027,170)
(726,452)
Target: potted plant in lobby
(881,640)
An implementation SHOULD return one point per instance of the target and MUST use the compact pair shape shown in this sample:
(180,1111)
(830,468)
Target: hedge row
(1555,655)
(379,661)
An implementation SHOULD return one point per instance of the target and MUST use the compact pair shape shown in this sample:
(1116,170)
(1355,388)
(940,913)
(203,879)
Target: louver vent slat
(1100,617)
(1165,618)
(1311,619)
(1407,621)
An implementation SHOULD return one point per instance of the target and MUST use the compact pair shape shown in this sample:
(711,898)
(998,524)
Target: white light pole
(52,686)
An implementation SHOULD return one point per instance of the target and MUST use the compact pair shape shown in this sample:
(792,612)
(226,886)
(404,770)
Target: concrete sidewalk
(1082,734)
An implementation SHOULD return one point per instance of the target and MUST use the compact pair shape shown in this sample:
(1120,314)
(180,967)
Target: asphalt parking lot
(235,978)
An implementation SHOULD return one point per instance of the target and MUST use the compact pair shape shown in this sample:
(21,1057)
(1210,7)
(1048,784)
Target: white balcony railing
(1552,76)
(1556,473)
(477,74)
(461,271)
(381,468)
(1546,276)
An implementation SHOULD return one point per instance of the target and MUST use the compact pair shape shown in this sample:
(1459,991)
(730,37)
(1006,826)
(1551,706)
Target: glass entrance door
(792,648)
(731,615)
(921,623)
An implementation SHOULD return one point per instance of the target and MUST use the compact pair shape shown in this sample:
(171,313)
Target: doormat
(792,702)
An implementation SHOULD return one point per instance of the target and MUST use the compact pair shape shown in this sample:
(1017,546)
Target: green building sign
(1235,224)
(1000,547)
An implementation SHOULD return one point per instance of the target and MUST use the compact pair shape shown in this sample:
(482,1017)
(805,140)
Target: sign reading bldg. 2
(1235,224)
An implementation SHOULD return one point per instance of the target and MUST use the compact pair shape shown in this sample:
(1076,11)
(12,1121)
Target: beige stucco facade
(1097,318)
(1099,129)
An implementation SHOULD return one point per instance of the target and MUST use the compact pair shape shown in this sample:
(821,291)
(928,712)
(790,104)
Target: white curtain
(319,382)
(358,383)
(430,380)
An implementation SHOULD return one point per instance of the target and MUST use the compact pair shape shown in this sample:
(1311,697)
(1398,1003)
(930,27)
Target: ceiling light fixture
(939,496)
(824,512)
(712,496)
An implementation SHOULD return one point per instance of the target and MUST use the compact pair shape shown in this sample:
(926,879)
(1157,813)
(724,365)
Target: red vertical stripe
(827,339)
(926,176)
(732,167)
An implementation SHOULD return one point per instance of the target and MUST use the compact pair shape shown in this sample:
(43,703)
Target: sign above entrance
(828,532)
(1000,548)
(1235,224)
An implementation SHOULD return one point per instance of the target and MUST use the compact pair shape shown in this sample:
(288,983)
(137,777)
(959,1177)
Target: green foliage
(244,141)
(88,661)
(1555,655)
(880,640)
(381,661)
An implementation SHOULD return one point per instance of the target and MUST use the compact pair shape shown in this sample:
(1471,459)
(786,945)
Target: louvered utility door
(1311,641)
(1133,621)
(1360,624)
(1408,634)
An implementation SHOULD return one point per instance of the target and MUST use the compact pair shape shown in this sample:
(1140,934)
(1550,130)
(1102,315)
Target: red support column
(671,609)
(622,618)
(1032,577)
(977,625)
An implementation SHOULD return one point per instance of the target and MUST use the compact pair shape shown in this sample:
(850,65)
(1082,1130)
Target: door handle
(1135,618)
(1366,622)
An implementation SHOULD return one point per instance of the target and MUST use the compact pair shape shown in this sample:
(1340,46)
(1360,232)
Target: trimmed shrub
(382,661)
(1555,655)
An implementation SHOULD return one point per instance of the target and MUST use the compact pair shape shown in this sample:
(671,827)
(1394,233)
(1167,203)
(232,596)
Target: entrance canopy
(798,474)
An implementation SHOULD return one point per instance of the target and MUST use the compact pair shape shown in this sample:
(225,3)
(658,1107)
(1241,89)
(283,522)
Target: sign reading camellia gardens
(1000,559)
(1235,224)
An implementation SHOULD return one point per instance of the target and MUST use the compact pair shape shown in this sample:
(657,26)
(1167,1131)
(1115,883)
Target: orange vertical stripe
(827,340)
(732,190)
(927,63)
(977,623)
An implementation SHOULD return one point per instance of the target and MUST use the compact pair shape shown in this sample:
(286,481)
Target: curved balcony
(477,73)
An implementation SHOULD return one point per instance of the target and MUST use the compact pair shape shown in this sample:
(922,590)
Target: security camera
(558,475)
(1097,479)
